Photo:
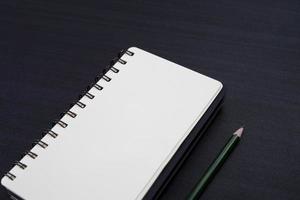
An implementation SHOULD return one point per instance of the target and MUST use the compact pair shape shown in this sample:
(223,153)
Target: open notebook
(117,142)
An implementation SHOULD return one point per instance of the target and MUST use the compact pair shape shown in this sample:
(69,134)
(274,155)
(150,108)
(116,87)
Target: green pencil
(215,165)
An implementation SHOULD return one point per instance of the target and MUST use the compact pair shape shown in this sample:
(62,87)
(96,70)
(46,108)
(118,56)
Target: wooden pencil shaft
(214,167)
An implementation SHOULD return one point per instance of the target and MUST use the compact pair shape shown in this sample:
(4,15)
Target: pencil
(215,165)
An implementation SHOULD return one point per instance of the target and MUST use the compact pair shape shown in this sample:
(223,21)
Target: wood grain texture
(51,50)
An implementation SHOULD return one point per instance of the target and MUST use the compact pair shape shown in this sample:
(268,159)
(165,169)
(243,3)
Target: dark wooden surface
(49,52)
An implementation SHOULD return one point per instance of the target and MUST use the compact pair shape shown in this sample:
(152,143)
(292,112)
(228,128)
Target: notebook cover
(158,77)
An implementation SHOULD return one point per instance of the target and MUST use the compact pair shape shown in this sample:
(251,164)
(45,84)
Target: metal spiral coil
(32,155)
(21,165)
(81,105)
(10,176)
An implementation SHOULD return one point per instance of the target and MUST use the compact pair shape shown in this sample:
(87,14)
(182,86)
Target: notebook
(124,138)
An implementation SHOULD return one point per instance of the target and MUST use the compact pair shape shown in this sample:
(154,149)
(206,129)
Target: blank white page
(120,142)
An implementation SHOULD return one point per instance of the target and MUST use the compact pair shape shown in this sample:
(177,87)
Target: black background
(49,52)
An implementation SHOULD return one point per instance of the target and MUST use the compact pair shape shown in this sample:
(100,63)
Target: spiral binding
(53,134)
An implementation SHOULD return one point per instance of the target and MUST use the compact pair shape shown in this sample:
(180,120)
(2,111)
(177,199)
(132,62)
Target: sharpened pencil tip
(239,132)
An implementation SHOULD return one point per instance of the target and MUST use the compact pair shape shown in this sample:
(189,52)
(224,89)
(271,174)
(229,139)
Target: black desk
(49,52)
